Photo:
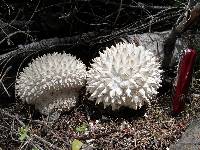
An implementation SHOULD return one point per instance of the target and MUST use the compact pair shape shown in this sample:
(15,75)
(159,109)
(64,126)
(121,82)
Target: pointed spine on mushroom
(52,82)
(124,75)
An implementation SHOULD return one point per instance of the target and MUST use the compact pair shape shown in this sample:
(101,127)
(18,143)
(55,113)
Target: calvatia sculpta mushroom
(51,82)
(124,75)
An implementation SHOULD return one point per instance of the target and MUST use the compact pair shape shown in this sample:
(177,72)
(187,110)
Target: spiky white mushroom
(124,75)
(51,82)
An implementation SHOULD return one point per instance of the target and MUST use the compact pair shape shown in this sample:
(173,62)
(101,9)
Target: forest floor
(94,128)
(190,140)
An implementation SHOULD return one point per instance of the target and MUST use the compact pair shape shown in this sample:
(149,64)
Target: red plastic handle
(183,79)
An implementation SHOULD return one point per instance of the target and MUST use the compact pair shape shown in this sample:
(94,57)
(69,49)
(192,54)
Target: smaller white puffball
(51,79)
(124,75)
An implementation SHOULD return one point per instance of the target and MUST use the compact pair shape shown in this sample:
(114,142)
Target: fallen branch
(190,19)
(47,45)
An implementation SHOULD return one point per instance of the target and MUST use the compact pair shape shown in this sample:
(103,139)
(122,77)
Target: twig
(8,36)
(34,144)
(35,10)
(13,131)
(4,25)
(31,137)
(55,134)
(139,6)
(135,28)
(119,10)
(2,76)
(47,45)
(12,116)
(25,143)
(46,142)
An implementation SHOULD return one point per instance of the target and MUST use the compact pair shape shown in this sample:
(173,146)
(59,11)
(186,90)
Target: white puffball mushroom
(124,75)
(51,82)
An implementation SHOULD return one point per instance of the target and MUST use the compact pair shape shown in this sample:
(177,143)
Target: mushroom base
(62,100)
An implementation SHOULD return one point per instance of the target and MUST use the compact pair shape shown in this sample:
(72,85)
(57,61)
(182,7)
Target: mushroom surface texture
(124,75)
(51,82)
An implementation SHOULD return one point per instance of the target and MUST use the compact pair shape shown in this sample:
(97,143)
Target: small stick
(46,142)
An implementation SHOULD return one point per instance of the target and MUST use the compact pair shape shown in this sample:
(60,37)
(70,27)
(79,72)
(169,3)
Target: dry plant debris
(152,127)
